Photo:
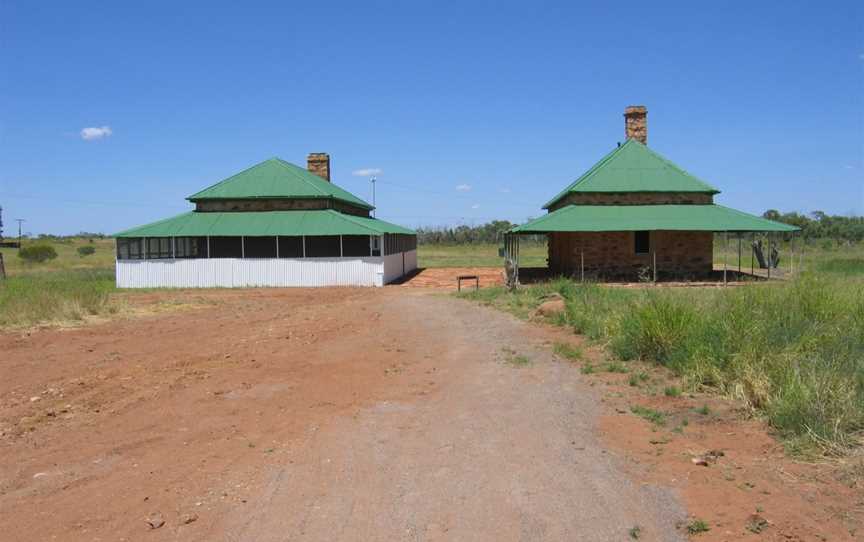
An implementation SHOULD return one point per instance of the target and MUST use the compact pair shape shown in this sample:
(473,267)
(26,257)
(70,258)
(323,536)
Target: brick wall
(633,198)
(610,255)
(279,205)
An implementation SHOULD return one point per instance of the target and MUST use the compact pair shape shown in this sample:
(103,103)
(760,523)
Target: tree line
(491,232)
(815,225)
(819,225)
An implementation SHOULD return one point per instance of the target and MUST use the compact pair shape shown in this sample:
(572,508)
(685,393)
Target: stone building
(274,224)
(635,212)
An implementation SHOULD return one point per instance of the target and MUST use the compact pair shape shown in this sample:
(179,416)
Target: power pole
(372,180)
(20,221)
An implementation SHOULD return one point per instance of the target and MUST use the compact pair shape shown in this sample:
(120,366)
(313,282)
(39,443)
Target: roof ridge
(673,165)
(593,169)
(275,177)
(149,224)
(634,167)
(225,180)
(285,164)
(603,161)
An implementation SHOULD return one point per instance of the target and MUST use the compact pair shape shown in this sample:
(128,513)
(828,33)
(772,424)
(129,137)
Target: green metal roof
(276,178)
(264,223)
(588,218)
(633,167)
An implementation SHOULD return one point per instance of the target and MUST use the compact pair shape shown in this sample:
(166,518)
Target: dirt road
(309,415)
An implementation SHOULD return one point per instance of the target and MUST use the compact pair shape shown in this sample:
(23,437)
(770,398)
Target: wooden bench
(475,278)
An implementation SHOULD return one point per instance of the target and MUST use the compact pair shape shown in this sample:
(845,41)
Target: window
(259,247)
(395,243)
(355,245)
(389,244)
(190,247)
(226,247)
(375,243)
(322,246)
(642,242)
(290,247)
(159,248)
(130,248)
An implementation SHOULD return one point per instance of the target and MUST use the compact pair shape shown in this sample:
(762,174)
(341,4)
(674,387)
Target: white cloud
(367,172)
(463,187)
(504,190)
(93,133)
(475,206)
(849,166)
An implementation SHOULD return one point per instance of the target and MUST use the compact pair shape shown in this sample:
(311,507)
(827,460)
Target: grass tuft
(672,391)
(697,526)
(654,416)
(616,367)
(568,351)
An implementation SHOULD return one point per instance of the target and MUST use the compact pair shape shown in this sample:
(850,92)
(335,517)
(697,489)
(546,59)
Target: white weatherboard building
(274,224)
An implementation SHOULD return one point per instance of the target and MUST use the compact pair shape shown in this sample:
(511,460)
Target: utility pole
(372,180)
(20,221)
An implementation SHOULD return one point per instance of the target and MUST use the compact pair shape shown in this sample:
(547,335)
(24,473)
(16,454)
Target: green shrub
(86,250)
(37,253)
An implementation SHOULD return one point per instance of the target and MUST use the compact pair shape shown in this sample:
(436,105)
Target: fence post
(752,243)
(739,256)
(792,253)
(582,257)
(654,255)
(2,268)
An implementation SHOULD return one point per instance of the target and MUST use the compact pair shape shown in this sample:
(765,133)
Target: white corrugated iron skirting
(264,272)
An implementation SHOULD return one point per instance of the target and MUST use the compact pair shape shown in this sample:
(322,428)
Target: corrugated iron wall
(401,263)
(235,272)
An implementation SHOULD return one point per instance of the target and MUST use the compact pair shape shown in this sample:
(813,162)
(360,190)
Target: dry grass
(792,351)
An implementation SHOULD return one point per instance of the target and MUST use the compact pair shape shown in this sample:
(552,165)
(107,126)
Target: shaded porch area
(651,243)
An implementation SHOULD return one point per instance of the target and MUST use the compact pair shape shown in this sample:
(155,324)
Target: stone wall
(276,204)
(319,164)
(633,198)
(636,123)
(611,255)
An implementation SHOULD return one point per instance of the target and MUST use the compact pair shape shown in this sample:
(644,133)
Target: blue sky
(471,110)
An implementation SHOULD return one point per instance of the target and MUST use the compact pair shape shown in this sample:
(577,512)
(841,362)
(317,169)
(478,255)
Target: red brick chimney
(319,164)
(636,123)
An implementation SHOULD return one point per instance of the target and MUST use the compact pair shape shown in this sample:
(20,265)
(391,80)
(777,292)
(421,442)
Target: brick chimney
(319,164)
(636,123)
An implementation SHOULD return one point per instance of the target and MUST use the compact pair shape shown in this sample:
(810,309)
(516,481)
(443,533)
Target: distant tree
(771,214)
(37,253)
(86,250)
(489,233)
(1,223)
(820,225)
